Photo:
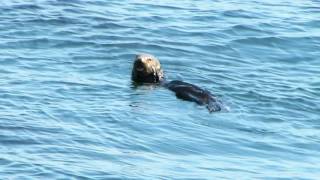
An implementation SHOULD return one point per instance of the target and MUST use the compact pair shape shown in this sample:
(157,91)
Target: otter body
(147,69)
(190,92)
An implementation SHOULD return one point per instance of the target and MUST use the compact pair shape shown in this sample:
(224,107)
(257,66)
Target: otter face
(146,69)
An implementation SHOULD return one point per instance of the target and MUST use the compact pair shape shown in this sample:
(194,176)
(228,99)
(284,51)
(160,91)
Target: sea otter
(147,69)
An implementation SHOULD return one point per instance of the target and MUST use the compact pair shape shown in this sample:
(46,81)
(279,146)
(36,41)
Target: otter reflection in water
(147,69)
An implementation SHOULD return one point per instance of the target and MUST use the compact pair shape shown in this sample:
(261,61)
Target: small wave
(240,13)
(31,7)
(276,41)
(110,25)
(72,3)
(152,19)
(267,41)
(247,30)
(73,44)
(161,7)
(57,21)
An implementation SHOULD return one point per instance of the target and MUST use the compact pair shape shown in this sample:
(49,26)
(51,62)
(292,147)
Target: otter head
(146,69)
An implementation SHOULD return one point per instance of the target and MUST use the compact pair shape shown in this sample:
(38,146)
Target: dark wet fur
(151,78)
(190,92)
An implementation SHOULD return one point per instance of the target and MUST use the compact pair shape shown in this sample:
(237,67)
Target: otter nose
(139,61)
(139,65)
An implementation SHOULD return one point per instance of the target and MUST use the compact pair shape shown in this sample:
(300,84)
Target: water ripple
(68,108)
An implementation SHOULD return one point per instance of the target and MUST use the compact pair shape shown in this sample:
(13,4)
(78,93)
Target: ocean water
(68,109)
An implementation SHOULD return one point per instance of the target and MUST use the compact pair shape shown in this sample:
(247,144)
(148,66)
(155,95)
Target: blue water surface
(68,109)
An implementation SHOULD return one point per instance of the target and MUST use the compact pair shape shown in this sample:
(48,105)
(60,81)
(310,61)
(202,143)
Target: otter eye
(149,59)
